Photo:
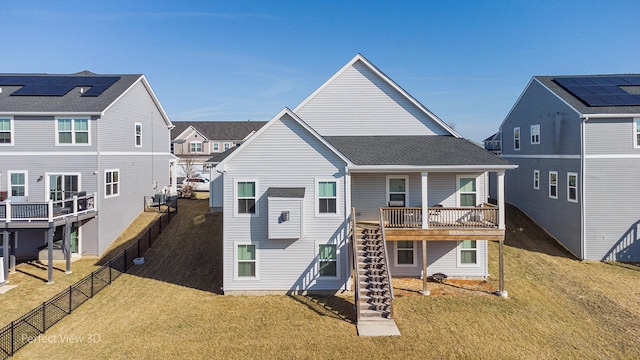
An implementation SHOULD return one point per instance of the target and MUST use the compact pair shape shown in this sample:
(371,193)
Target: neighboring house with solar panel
(79,153)
(576,140)
(359,166)
(195,142)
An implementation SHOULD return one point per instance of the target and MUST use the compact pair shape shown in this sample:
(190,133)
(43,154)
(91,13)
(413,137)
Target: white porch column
(173,165)
(501,217)
(425,200)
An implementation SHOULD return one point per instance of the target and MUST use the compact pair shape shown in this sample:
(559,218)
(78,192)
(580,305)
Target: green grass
(170,308)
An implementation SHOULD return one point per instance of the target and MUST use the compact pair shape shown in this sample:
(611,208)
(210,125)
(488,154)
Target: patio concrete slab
(5,288)
(378,328)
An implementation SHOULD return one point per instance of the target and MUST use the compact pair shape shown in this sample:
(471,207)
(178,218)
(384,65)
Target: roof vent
(81,90)
(0,90)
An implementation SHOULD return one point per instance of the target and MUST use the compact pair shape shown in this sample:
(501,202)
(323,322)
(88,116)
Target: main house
(195,142)
(362,176)
(79,153)
(576,140)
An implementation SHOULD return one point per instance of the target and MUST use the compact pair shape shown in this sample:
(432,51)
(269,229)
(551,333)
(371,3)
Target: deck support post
(501,291)
(425,291)
(50,232)
(5,255)
(67,245)
(501,215)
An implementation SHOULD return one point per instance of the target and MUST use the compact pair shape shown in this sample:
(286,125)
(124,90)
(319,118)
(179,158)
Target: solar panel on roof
(58,85)
(598,91)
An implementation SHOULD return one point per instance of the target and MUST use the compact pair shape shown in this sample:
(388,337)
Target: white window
(572,187)
(246,197)
(327,197)
(636,133)
(227,146)
(553,184)
(246,261)
(516,138)
(111,183)
(18,183)
(216,146)
(405,253)
(536,179)
(138,138)
(62,186)
(397,190)
(6,131)
(72,131)
(467,192)
(195,147)
(535,134)
(467,253)
(327,261)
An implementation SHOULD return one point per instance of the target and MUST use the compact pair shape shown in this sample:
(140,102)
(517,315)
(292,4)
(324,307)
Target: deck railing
(46,211)
(485,217)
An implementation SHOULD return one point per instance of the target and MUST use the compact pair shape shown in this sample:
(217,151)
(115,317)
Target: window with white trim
(72,131)
(246,264)
(6,131)
(636,133)
(553,184)
(327,193)
(572,187)
(405,253)
(195,147)
(327,260)
(216,146)
(111,183)
(138,134)
(467,192)
(397,190)
(516,138)
(18,183)
(468,252)
(246,197)
(536,179)
(535,134)
(227,146)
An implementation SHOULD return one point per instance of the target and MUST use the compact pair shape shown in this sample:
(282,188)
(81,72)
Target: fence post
(160,226)
(70,298)
(13,330)
(92,283)
(109,263)
(44,324)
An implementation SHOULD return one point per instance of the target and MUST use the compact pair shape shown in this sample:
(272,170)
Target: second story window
(535,134)
(216,146)
(72,131)
(636,133)
(227,146)
(195,147)
(516,138)
(6,132)
(18,183)
(138,130)
(553,184)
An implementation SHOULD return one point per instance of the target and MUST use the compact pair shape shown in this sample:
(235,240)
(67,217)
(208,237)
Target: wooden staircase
(375,291)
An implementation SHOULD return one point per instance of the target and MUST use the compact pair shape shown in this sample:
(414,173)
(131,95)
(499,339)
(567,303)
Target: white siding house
(357,149)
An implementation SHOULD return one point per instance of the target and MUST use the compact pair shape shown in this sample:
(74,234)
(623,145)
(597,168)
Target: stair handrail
(386,261)
(354,268)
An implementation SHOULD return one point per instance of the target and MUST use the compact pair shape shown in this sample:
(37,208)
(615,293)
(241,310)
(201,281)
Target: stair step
(372,314)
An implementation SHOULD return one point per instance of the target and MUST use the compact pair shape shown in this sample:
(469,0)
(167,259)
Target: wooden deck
(42,214)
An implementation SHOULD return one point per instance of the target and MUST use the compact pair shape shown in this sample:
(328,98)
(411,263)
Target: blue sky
(467,61)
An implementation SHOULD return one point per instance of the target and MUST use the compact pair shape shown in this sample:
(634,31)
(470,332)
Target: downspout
(583,230)
(97,178)
(347,210)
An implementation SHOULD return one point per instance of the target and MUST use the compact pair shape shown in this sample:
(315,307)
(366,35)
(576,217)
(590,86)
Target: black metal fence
(36,322)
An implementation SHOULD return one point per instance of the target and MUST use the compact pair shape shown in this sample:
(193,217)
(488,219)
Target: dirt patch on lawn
(452,287)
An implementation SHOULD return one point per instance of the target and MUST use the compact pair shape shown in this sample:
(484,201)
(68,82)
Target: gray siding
(112,147)
(358,96)
(269,161)
(610,137)
(559,124)
(442,257)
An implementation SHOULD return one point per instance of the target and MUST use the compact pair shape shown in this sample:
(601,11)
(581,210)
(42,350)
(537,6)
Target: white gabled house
(362,176)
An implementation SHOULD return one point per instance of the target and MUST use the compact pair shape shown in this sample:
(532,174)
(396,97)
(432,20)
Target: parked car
(196,183)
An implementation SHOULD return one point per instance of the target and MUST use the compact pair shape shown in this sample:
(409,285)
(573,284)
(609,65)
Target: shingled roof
(572,100)
(61,97)
(430,150)
(219,130)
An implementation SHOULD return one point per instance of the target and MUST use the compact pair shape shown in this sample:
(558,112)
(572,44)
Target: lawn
(170,307)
